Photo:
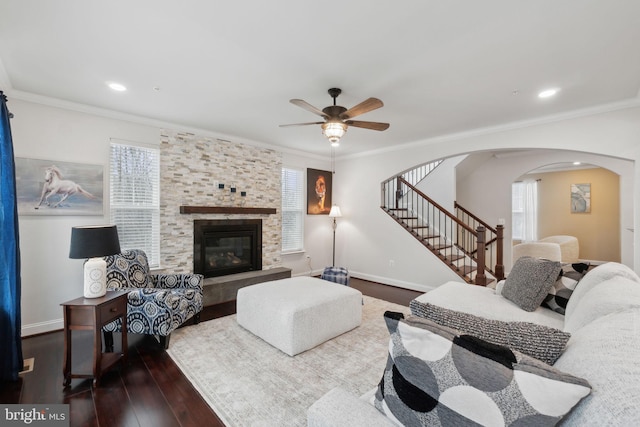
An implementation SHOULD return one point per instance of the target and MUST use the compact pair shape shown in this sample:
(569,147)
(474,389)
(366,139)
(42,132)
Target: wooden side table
(91,314)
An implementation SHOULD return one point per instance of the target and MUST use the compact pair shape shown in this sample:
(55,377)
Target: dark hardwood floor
(149,391)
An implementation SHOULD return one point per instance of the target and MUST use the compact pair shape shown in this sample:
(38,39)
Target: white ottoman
(299,313)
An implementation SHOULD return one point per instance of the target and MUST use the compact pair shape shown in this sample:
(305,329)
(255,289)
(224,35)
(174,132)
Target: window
(524,211)
(135,198)
(517,211)
(292,210)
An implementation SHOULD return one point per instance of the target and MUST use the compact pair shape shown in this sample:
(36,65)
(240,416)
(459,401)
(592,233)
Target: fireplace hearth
(223,247)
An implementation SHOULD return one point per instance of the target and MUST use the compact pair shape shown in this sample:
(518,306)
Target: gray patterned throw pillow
(529,281)
(539,341)
(435,377)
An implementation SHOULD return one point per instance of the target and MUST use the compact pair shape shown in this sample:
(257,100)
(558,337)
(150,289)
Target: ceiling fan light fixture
(334,131)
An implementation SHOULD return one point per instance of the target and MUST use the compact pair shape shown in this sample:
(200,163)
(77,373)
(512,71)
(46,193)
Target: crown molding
(117,115)
(568,115)
(112,114)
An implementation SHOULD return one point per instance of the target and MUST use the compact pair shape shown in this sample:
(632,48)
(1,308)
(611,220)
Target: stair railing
(493,244)
(436,228)
(418,173)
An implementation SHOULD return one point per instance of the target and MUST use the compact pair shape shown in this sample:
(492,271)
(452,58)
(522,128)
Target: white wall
(371,239)
(49,277)
(488,189)
(318,233)
(440,184)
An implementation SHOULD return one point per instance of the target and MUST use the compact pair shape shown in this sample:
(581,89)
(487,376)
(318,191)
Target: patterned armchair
(157,303)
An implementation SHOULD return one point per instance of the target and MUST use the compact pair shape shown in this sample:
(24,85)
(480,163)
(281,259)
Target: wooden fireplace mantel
(225,210)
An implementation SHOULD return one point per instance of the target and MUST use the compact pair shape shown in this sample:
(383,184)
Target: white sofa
(603,318)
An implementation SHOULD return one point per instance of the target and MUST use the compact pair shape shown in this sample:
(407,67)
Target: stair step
(467,269)
(454,258)
(431,236)
(440,246)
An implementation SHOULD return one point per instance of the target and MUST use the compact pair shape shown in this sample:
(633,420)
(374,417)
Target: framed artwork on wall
(319,187)
(46,187)
(580,198)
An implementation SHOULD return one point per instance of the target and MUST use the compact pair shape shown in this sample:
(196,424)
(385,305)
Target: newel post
(499,271)
(481,278)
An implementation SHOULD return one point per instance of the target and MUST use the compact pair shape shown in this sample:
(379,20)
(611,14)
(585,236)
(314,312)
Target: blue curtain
(10,339)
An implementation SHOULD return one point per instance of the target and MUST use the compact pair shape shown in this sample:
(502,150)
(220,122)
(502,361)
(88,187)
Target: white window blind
(292,210)
(135,198)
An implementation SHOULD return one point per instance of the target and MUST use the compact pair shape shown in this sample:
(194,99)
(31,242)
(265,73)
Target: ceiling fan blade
(304,104)
(301,124)
(368,125)
(364,107)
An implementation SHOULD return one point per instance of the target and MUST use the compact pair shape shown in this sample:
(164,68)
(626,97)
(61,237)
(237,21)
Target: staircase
(462,241)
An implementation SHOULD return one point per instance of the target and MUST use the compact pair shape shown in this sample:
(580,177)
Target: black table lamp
(94,242)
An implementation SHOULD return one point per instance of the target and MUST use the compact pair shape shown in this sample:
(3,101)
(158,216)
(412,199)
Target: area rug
(247,382)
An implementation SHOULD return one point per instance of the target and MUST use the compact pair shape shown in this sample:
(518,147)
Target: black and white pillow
(435,376)
(561,291)
(539,341)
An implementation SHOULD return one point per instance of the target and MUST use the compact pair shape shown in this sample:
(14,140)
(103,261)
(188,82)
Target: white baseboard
(392,282)
(41,327)
(378,279)
(311,273)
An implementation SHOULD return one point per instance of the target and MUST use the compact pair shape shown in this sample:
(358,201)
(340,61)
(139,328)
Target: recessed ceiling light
(548,93)
(116,86)
(576,163)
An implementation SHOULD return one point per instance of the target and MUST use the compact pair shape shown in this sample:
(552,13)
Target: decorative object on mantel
(233,190)
(226,210)
(335,213)
(94,242)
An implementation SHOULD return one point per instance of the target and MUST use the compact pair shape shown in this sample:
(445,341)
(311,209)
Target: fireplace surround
(227,246)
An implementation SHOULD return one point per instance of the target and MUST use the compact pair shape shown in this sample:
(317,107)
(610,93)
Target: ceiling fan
(337,119)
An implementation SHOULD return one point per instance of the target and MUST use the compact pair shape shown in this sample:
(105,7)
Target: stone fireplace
(227,246)
(191,169)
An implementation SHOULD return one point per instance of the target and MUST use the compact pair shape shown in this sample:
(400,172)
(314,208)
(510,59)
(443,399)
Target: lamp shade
(335,212)
(94,241)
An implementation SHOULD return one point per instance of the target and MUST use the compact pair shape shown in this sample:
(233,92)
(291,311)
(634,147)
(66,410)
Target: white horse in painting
(54,184)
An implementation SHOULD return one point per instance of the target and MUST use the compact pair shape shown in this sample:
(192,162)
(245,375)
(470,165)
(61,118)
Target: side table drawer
(80,316)
(113,310)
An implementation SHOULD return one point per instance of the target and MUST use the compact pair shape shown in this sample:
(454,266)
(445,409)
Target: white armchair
(546,250)
(569,247)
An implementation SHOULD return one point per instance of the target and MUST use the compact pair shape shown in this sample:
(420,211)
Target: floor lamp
(335,213)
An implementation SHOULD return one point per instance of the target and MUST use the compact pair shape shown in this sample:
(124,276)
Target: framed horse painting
(47,187)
